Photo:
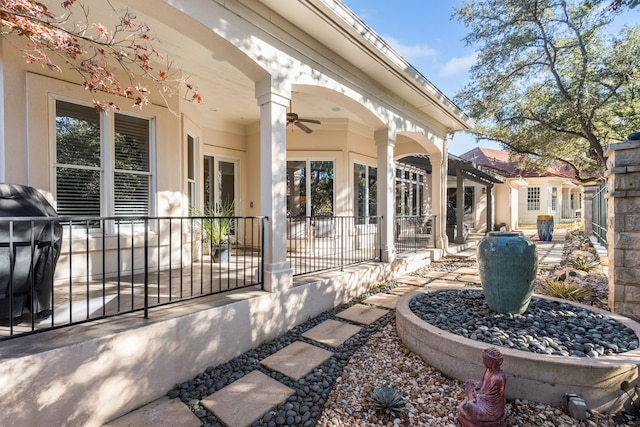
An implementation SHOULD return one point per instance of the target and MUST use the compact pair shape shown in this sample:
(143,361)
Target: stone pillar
(386,193)
(278,275)
(623,226)
(587,209)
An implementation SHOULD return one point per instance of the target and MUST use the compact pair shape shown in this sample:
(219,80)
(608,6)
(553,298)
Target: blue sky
(426,36)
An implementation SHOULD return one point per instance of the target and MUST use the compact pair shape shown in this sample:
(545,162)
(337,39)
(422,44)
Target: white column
(459,237)
(386,193)
(273,161)
(489,209)
(438,205)
(440,171)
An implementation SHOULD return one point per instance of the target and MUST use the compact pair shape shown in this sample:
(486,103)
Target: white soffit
(334,25)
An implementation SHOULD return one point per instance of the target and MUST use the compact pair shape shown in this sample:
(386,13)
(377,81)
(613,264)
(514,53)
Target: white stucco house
(525,193)
(257,64)
(253,62)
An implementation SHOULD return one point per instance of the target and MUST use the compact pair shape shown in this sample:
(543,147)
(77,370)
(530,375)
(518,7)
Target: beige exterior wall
(505,198)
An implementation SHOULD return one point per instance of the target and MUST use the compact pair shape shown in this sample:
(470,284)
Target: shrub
(564,290)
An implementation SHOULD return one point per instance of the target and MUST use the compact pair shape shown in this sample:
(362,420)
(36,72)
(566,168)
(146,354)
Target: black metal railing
(413,233)
(317,243)
(106,267)
(599,213)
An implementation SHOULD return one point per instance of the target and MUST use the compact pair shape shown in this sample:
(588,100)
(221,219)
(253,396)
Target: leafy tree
(91,49)
(617,5)
(549,81)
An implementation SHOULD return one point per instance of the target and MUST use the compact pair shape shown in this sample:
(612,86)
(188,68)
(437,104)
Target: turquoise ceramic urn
(508,264)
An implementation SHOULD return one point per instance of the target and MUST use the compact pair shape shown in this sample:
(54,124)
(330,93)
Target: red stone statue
(484,404)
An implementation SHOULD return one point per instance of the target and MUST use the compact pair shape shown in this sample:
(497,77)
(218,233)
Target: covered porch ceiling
(229,93)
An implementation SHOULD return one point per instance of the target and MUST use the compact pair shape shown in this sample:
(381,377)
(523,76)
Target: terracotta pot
(508,263)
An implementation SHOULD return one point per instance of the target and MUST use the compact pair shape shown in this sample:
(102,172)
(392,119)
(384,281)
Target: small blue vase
(545,227)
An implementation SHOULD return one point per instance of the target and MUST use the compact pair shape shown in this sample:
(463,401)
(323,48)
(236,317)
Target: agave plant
(582,263)
(564,290)
(388,400)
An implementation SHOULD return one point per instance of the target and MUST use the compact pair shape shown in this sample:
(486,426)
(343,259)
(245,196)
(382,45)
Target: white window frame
(308,189)
(215,180)
(367,202)
(554,197)
(192,183)
(107,154)
(534,202)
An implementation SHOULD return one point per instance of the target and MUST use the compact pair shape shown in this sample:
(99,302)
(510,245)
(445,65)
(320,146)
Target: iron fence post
(262,248)
(434,224)
(146,268)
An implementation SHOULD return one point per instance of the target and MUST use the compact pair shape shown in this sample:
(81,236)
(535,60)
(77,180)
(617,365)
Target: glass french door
(220,185)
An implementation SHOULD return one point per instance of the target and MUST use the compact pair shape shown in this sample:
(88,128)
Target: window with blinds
(78,164)
(87,186)
(131,175)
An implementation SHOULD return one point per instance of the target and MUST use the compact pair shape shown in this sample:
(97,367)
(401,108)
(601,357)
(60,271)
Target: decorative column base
(278,277)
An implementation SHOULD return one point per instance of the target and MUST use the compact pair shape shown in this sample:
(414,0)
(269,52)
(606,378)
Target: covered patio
(306,118)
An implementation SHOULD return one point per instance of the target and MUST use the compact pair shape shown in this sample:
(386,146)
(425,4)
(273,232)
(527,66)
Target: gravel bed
(547,327)
(336,393)
(446,265)
(431,400)
(301,409)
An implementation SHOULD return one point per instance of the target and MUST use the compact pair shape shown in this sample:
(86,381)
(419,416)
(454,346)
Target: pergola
(464,169)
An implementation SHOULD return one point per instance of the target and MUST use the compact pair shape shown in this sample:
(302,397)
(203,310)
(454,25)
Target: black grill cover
(31,264)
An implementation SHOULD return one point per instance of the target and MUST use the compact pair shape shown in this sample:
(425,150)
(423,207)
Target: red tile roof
(505,164)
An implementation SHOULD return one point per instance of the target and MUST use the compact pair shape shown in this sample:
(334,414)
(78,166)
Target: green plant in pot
(216,228)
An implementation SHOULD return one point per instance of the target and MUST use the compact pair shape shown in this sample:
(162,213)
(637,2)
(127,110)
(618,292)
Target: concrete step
(297,359)
(246,400)
(362,314)
(163,412)
(383,300)
(332,332)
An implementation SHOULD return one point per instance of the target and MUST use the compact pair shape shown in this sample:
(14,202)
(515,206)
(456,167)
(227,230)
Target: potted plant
(216,228)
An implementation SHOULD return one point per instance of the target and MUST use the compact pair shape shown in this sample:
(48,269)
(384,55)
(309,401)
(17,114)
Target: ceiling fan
(300,122)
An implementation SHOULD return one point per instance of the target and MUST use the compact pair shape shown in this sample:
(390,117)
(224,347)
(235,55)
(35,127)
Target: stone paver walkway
(246,400)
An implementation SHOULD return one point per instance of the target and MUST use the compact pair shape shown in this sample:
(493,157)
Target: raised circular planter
(536,377)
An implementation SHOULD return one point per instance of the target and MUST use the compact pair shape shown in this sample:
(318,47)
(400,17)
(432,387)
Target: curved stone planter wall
(531,376)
